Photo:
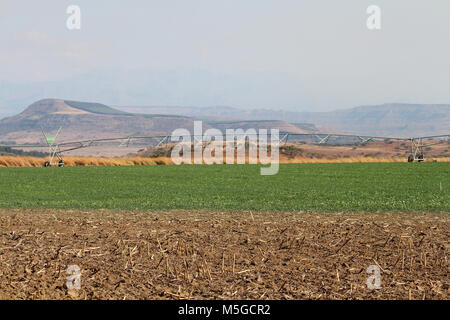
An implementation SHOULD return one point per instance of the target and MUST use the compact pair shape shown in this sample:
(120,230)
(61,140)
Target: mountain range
(393,119)
(82,121)
(88,120)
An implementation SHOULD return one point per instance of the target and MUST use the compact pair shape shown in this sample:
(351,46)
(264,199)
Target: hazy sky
(312,55)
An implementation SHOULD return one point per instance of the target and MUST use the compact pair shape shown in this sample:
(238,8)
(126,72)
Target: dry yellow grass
(10,161)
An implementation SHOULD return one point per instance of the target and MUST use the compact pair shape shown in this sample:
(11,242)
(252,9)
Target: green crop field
(313,187)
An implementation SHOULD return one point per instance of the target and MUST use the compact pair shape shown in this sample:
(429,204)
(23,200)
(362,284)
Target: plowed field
(215,255)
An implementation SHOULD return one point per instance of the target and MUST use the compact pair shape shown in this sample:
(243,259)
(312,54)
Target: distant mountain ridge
(87,120)
(394,119)
(397,119)
(82,121)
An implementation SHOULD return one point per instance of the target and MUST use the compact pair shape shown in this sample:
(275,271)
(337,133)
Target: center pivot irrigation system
(56,150)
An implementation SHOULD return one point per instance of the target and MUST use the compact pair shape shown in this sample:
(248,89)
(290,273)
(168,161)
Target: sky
(313,55)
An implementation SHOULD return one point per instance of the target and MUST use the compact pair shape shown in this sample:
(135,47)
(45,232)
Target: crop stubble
(222,255)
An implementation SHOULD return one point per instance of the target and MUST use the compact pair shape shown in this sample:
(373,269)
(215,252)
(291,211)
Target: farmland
(351,187)
(222,255)
(225,231)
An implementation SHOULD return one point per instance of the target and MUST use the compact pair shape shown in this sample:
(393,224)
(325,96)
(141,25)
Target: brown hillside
(85,121)
(88,121)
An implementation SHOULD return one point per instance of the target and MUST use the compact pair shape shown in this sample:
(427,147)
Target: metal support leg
(324,140)
(162,141)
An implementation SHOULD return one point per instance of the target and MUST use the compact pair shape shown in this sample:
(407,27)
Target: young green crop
(313,187)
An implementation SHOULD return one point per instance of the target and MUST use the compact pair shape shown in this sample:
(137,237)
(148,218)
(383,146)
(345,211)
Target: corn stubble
(207,255)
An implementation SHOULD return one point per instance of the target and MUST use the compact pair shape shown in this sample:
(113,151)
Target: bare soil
(222,255)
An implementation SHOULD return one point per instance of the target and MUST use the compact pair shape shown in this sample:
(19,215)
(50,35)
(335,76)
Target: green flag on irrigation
(51,138)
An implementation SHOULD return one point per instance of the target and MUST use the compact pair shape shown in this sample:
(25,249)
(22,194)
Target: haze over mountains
(81,121)
(86,120)
(394,119)
(171,87)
